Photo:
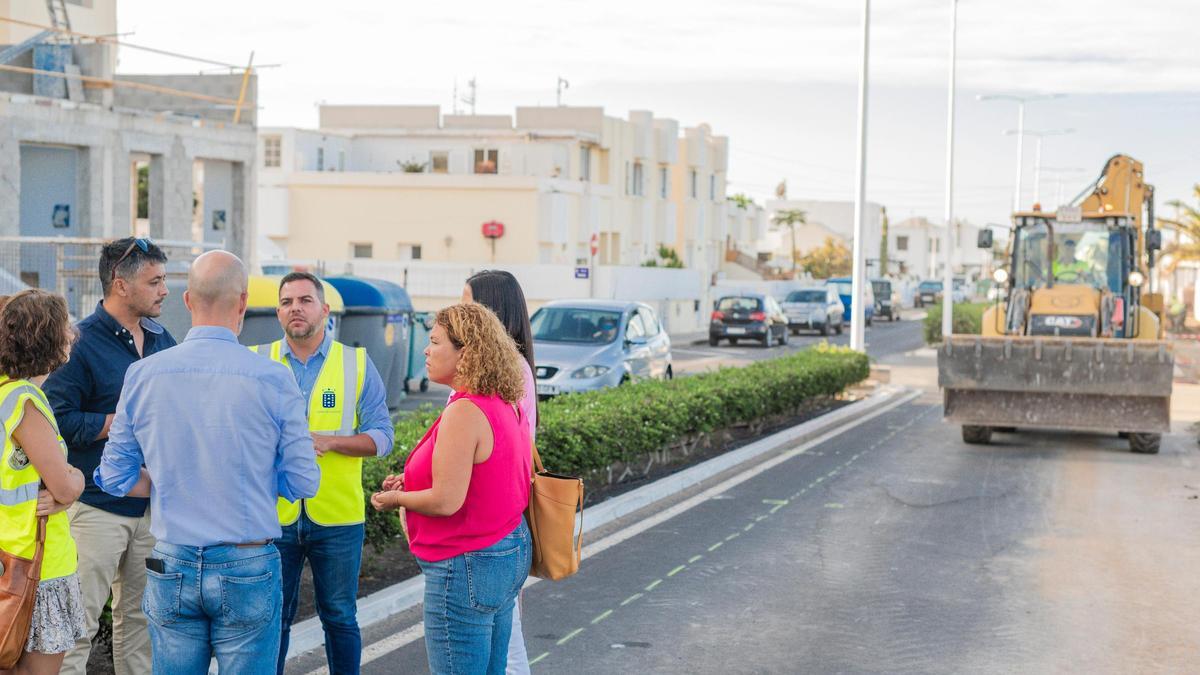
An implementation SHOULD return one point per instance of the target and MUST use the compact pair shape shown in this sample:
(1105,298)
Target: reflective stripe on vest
(21,493)
(334,412)
(19,485)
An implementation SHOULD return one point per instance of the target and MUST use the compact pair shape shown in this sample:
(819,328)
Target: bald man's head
(216,292)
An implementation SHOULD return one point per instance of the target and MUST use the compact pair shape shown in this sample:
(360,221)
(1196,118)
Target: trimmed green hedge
(968,320)
(583,432)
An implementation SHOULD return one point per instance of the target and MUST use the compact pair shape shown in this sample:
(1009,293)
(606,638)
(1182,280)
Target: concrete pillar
(239,241)
(10,179)
(93,180)
(176,194)
(119,205)
(157,214)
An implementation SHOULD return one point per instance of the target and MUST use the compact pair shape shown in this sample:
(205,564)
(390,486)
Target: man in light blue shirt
(213,434)
(346,405)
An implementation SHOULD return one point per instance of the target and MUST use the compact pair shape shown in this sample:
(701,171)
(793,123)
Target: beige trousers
(112,555)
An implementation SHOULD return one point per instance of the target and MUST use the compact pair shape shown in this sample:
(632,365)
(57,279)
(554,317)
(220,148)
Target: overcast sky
(778,77)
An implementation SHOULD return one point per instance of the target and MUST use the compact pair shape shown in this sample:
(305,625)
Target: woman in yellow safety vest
(35,478)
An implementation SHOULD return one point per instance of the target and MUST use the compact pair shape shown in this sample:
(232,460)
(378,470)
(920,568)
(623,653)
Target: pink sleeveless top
(496,496)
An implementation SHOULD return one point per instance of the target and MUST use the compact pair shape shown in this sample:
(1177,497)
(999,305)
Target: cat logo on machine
(18,459)
(1063,322)
(328,399)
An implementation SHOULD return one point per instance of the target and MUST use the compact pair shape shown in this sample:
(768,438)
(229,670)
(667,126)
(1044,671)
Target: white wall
(674,293)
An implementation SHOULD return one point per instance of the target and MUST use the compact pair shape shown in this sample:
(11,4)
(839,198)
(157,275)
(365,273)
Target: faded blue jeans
(214,600)
(335,555)
(469,603)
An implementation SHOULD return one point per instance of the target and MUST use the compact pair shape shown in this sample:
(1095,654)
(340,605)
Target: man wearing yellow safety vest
(348,417)
(1068,268)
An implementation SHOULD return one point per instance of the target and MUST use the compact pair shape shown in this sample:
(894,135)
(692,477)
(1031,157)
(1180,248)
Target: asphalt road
(892,547)
(883,339)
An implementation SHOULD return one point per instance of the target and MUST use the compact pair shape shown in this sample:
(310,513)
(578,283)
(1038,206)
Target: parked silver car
(817,308)
(582,345)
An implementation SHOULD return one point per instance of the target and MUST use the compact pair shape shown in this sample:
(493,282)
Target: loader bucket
(1078,384)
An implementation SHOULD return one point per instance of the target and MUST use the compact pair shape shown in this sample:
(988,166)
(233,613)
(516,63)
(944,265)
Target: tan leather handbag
(554,501)
(19,579)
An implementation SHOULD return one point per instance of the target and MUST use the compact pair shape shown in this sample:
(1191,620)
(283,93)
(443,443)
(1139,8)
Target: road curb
(381,605)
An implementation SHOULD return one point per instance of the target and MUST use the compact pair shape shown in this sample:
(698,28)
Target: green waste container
(378,317)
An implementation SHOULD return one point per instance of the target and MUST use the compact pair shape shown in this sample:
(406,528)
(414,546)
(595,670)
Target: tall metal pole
(857,313)
(1020,148)
(948,256)
(1037,170)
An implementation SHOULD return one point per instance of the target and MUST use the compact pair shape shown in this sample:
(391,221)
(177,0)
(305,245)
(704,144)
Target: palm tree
(1187,228)
(791,218)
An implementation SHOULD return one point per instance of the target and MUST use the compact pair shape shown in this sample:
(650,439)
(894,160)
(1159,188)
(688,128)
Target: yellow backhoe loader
(1074,342)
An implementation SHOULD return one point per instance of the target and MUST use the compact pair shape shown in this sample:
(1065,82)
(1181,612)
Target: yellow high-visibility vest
(19,483)
(339,499)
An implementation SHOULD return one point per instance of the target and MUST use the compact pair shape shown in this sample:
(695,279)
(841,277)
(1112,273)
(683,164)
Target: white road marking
(417,631)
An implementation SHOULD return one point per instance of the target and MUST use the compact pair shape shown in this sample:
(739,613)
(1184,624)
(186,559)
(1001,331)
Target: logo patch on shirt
(18,460)
(328,399)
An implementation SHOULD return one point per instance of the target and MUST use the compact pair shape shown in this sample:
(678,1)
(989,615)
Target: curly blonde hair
(490,364)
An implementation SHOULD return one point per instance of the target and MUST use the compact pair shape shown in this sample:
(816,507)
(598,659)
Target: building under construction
(88,155)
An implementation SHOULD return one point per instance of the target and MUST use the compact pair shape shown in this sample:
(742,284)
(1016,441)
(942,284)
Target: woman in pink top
(465,487)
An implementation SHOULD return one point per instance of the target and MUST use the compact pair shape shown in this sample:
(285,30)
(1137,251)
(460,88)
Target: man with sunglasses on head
(112,533)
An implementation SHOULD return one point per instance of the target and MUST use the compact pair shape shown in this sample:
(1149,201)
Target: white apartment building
(915,248)
(408,182)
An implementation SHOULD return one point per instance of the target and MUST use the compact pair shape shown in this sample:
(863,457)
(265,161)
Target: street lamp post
(1058,172)
(857,311)
(948,255)
(1020,101)
(1037,154)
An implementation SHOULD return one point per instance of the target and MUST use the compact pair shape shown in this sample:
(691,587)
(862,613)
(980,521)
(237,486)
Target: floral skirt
(58,616)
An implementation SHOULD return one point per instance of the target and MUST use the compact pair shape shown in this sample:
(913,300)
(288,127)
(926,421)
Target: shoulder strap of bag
(536,467)
(40,549)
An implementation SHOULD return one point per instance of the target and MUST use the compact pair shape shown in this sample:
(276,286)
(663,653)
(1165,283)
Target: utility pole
(562,86)
(1020,101)
(1058,172)
(858,313)
(469,99)
(948,256)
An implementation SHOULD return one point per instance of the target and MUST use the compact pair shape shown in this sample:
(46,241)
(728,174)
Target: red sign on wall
(493,229)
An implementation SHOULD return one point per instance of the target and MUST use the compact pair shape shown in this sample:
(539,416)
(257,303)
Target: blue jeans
(469,604)
(335,555)
(214,600)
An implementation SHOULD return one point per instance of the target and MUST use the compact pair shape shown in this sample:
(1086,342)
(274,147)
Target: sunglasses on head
(142,243)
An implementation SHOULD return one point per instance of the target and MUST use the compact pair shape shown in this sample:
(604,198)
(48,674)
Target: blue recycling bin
(378,317)
(418,376)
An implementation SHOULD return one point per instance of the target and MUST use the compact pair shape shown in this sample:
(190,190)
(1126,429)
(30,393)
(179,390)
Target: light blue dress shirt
(373,417)
(221,431)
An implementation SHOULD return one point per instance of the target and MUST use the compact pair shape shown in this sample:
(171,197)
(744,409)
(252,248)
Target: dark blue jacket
(85,390)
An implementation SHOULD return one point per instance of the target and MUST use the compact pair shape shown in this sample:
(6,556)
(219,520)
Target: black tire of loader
(1145,444)
(976,435)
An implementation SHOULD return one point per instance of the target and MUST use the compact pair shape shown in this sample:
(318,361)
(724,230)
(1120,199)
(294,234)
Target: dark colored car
(929,293)
(749,316)
(886,304)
